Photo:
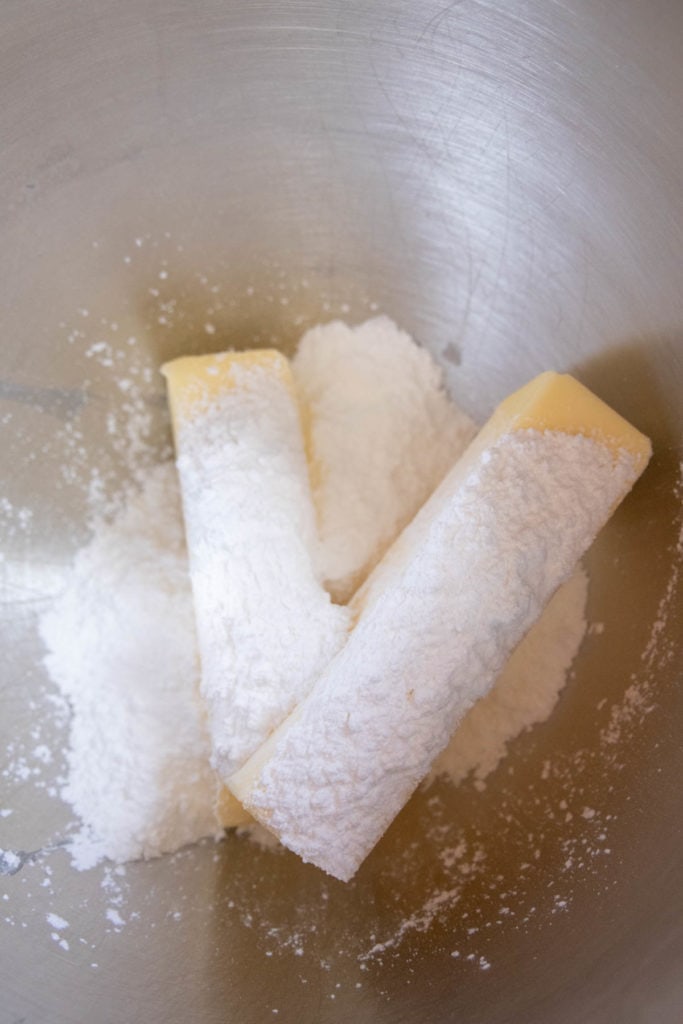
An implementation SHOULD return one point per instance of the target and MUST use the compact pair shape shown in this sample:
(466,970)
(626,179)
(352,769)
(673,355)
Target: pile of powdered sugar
(121,646)
(382,434)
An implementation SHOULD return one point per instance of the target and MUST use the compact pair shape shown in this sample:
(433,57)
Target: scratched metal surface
(504,179)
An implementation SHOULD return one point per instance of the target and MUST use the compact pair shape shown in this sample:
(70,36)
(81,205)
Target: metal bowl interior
(505,181)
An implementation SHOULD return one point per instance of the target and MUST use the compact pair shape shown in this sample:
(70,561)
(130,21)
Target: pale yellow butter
(558,402)
(228,809)
(193,382)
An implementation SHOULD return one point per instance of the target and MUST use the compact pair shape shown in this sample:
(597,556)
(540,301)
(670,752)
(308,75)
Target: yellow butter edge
(228,810)
(560,403)
(193,382)
(241,783)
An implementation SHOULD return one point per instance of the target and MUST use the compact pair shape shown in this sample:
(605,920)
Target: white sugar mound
(121,647)
(382,434)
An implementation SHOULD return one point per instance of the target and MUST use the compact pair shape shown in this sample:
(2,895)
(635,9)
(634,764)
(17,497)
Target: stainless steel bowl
(506,180)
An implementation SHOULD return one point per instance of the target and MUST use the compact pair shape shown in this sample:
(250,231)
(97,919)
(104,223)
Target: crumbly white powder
(382,435)
(265,624)
(525,692)
(121,647)
(460,588)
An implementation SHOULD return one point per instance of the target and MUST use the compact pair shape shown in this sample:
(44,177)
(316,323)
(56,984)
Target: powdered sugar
(121,647)
(57,922)
(525,692)
(382,434)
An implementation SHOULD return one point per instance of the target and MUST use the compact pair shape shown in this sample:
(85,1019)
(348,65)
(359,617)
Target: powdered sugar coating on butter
(266,627)
(382,434)
(471,574)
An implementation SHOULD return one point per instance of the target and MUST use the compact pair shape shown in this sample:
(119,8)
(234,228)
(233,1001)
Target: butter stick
(438,618)
(265,626)
(228,810)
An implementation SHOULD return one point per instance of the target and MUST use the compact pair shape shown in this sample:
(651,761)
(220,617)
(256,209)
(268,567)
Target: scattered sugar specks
(10,862)
(114,917)
(57,922)
(420,920)
(15,520)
